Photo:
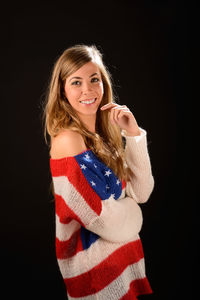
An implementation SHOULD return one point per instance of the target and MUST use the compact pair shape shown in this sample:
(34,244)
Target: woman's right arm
(114,220)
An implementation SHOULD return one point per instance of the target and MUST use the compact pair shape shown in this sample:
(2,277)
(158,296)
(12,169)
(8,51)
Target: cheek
(100,89)
(71,94)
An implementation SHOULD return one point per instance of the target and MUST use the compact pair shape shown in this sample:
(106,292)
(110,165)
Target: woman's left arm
(141,184)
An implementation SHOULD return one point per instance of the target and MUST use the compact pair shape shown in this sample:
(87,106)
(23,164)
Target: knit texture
(98,221)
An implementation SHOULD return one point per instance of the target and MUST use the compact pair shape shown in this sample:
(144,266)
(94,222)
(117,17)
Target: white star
(87,156)
(107,187)
(83,167)
(107,173)
(118,182)
(113,195)
(93,183)
(95,166)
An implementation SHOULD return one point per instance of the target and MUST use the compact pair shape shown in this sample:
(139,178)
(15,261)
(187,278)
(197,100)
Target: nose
(86,87)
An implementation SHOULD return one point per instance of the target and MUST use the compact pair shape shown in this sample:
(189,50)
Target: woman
(100,170)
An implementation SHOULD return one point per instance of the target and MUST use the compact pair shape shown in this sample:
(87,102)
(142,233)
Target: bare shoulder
(67,143)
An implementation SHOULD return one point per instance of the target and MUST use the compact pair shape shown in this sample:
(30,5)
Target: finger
(122,113)
(116,114)
(116,111)
(108,106)
(125,111)
(112,116)
(124,108)
(113,113)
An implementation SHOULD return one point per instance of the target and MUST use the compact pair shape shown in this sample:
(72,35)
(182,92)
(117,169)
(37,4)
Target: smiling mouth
(91,101)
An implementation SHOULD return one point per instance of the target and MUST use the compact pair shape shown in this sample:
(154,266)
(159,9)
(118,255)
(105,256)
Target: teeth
(88,102)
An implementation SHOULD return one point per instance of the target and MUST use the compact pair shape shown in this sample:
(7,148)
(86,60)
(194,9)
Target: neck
(89,121)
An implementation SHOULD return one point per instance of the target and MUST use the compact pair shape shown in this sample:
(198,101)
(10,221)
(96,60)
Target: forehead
(86,70)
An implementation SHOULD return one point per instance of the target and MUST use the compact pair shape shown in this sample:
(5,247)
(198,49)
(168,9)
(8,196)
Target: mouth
(88,102)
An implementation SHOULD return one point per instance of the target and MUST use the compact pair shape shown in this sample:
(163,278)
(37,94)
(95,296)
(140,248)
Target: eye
(75,82)
(95,79)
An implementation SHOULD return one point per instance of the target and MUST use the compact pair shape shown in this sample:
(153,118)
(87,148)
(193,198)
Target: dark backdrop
(145,47)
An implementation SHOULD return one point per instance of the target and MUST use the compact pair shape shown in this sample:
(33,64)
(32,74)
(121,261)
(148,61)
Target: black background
(145,46)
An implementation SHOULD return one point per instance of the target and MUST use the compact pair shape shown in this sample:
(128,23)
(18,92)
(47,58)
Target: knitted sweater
(98,220)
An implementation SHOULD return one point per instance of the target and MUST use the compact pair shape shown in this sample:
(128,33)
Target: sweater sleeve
(76,199)
(141,184)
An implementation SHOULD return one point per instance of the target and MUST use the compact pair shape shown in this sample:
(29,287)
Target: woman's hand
(123,117)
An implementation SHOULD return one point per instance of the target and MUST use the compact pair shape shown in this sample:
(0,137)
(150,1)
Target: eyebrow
(81,77)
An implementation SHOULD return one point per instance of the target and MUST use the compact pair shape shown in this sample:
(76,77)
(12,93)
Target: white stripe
(119,221)
(123,194)
(73,199)
(120,286)
(89,258)
(65,231)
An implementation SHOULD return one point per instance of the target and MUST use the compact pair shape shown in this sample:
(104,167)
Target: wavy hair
(58,114)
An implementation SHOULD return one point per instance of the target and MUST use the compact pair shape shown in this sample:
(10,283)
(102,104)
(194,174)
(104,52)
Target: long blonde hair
(58,114)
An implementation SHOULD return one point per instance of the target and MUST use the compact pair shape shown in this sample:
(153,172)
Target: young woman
(100,170)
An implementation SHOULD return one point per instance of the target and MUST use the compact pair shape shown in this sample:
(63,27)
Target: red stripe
(70,168)
(58,166)
(107,271)
(123,184)
(138,287)
(69,248)
(64,212)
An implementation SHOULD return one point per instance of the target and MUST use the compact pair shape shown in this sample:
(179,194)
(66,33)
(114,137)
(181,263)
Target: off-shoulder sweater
(98,220)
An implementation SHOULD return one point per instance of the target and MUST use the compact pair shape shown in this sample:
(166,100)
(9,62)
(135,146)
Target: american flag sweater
(98,220)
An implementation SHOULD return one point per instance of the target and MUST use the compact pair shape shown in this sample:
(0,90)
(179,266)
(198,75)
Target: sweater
(98,220)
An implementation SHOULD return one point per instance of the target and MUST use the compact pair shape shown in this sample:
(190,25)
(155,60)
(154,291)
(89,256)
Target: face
(85,85)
